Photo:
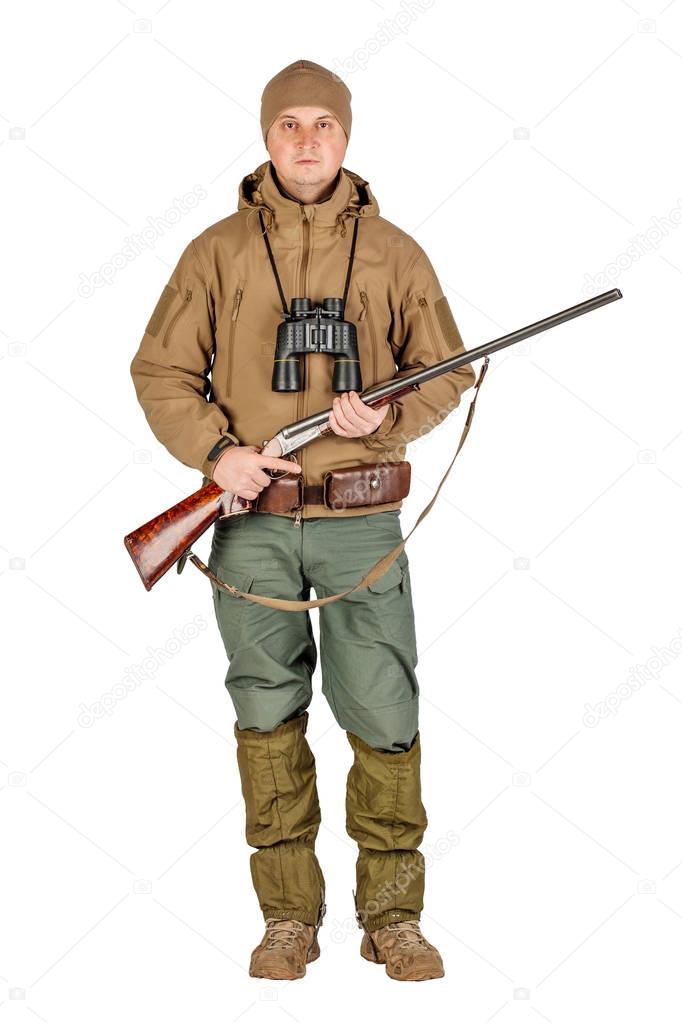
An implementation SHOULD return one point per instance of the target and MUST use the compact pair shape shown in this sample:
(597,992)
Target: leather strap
(378,569)
(313,493)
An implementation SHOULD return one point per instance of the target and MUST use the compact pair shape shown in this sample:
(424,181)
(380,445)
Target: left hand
(352,417)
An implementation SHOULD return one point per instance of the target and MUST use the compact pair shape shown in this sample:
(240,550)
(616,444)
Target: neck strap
(271,257)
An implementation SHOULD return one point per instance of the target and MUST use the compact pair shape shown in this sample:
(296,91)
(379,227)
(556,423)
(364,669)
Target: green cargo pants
(368,659)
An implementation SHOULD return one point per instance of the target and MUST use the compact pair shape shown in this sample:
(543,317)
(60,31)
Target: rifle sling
(377,570)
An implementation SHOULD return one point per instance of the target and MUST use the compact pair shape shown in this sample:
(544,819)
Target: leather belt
(313,493)
(355,486)
(289,494)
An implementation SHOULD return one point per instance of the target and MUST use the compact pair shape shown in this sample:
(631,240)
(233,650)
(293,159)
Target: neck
(306,193)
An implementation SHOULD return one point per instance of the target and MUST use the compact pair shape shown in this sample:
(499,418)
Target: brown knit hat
(305,84)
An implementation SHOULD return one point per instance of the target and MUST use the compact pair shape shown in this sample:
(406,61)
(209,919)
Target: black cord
(350,267)
(279,283)
(272,263)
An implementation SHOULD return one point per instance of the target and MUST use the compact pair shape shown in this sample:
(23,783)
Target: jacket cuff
(219,448)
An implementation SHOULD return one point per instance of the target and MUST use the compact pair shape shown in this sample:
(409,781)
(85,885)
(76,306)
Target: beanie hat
(305,84)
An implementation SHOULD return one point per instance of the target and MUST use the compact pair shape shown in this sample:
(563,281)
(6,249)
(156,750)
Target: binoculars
(309,328)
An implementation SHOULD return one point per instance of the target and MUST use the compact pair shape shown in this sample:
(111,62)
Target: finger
(252,484)
(371,417)
(334,423)
(351,414)
(364,411)
(340,413)
(261,478)
(269,462)
(250,495)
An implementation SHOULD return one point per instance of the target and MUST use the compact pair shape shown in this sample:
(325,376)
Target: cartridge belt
(353,486)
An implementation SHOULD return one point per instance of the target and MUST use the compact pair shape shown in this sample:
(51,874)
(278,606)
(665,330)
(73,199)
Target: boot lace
(408,934)
(282,933)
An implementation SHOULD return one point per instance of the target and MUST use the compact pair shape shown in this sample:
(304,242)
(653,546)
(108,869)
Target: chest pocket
(237,297)
(380,362)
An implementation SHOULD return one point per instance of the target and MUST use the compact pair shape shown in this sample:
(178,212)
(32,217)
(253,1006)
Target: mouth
(307,161)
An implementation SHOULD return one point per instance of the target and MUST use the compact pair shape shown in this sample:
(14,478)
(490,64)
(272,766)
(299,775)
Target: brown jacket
(218,315)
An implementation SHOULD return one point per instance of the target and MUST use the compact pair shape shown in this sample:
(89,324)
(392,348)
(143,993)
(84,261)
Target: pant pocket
(393,595)
(229,611)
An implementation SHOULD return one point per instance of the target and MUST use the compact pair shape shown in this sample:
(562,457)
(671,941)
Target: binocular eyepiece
(310,328)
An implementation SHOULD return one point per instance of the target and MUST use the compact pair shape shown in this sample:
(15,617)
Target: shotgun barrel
(157,545)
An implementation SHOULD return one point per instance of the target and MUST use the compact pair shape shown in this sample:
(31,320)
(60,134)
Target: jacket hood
(259,191)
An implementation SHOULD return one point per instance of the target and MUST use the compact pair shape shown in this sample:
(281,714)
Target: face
(307,146)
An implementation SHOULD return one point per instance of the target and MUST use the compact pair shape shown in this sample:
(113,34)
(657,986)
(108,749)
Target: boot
(277,770)
(287,946)
(405,951)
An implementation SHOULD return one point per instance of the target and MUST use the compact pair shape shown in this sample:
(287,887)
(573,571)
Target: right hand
(239,470)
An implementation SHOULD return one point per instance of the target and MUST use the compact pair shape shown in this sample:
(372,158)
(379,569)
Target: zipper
(366,312)
(185,303)
(300,397)
(304,260)
(230,341)
(426,313)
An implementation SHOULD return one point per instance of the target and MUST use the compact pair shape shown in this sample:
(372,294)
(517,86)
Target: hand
(352,417)
(239,470)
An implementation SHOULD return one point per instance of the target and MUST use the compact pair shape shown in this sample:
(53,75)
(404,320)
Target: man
(218,315)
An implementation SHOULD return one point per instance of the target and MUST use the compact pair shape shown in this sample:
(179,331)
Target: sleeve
(423,332)
(171,368)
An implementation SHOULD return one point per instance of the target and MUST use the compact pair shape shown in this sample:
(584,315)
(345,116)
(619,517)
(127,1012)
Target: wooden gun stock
(156,546)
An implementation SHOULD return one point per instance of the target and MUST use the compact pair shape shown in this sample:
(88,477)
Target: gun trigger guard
(283,472)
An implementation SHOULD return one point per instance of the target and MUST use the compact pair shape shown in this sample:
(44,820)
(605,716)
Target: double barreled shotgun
(157,545)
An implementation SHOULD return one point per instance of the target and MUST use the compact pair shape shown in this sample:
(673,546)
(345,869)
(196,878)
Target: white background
(529,148)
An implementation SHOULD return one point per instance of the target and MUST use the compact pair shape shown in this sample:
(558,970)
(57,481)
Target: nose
(308,138)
